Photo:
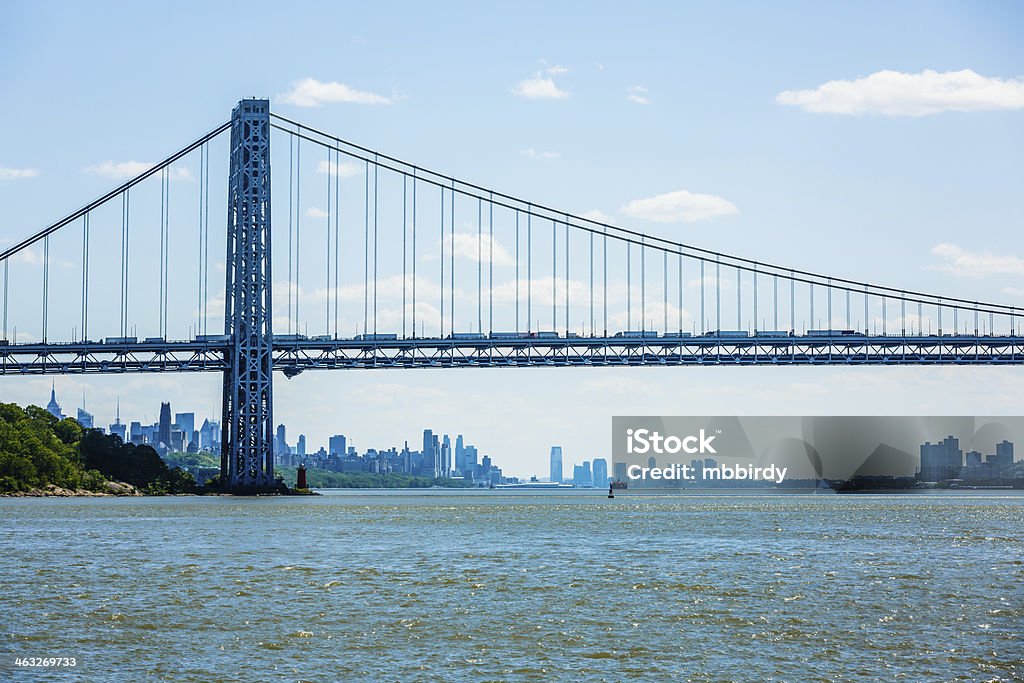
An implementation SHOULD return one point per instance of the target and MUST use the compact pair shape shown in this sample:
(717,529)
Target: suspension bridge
(390,265)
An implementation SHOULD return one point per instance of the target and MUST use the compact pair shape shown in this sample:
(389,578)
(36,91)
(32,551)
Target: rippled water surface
(492,586)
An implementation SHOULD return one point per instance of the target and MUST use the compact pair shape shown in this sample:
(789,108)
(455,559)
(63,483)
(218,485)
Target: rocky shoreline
(113,488)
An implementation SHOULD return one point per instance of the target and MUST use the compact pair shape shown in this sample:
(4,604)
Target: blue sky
(904,171)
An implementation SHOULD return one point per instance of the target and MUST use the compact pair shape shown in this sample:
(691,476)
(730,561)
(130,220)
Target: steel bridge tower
(247,457)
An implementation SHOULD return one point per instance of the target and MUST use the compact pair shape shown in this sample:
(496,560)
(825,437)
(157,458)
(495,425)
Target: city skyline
(727,115)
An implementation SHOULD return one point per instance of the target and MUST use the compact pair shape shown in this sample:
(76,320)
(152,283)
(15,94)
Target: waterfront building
(555,470)
(941,461)
(600,472)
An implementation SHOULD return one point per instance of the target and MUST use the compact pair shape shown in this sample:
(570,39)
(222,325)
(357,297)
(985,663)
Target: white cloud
(316,212)
(596,215)
(679,206)
(474,247)
(345,169)
(309,92)
(638,94)
(894,93)
(541,85)
(960,262)
(7,173)
(539,88)
(122,170)
(531,153)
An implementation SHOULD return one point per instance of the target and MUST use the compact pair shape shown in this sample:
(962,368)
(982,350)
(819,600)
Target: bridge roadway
(296,355)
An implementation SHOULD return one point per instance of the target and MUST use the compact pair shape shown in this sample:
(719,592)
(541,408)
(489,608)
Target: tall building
(941,461)
(581,475)
(429,451)
(556,464)
(186,422)
(118,428)
(53,406)
(336,445)
(600,472)
(280,442)
(300,447)
(446,457)
(164,434)
(136,434)
(1004,454)
(460,454)
(209,436)
(84,418)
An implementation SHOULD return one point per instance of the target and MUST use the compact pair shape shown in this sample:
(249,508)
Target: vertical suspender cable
(679,270)
(163,228)
(291,215)
(517,271)
(375,277)
(490,264)
(337,237)
(643,285)
(298,227)
(554,275)
(479,264)
(7,264)
(739,303)
(405,248)
(664,286)
(414,253)
(452,268)
(46,282)
(85,277)
(629,287)
(718,295)
(755,298)
(206,240)
(703,298)
(366,248)
(604,296)
(529,268)
(441,329)
(591,284)
(567,276)
(327,253)
(199,247)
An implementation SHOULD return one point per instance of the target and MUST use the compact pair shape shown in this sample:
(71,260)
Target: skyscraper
(336,445)
(164,434)
(600,472)
(186,422)
(941,461)
(556,464)
(280,442)
(53,406)
(1004,453)
(460,454)
(446,457)
(118,429)
(300,447)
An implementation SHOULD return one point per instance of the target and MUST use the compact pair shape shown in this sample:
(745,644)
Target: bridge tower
(247,458)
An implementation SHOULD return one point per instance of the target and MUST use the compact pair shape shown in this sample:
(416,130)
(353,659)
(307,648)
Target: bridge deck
(293,357)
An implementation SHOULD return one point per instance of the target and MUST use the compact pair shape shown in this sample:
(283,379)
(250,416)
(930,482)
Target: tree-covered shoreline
(40,454)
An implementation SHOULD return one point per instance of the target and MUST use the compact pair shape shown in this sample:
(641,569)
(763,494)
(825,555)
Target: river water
(515,586)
